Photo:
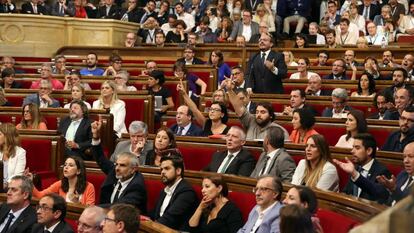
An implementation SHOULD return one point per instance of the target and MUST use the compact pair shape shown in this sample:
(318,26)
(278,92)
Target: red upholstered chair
(154,188)
(381,134)
(334,222)
(73,224)
(245,201)
(196,157)
(135,110)
(96,179)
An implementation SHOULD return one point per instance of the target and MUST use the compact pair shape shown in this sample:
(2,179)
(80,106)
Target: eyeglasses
(215,110)
(85,227)
(43,208)
(262,189)
(338,103)
(110,219)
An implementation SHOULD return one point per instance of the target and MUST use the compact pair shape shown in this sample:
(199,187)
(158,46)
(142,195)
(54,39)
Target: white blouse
(119,111)
(329,179)
(15,165)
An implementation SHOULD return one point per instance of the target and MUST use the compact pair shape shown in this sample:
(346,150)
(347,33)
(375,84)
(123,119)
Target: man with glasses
(60,65)
(338,70)
(130,40)
(137,144)
(397,140)
(246,27)
(42,98)
(17,216)
(115,65)
(189,57)
(91,219)
(51,213)
(235,160)
(264,217)
(121,218)
(314,87)
(339,107)
(46,74)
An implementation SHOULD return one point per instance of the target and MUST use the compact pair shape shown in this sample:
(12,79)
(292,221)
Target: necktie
(410,181)
(263,57)
(264,166)
(366,15)
(35,9)
(118,191)
(180,130)
(224,168)
(61,10)
(6,227)
(108,8)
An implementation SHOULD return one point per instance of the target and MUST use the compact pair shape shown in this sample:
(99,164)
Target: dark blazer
(28,9)
(62,227)
(374,116)
(5,8)
(263,80)
(24,223)
(242,165)
(325,92)
(70,10)
(34,98)
(196,61)
(327,112)
(134,194)
(194,130)
(399,194)
(141,14)
(331,76)
(133,16)
(83,136)
(114,12)
(248,5)
(144,33)
(370,188)
(237,29)
(373,11)
(182,205)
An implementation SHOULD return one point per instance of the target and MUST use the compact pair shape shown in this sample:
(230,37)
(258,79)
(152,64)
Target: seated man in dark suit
(123,182)
(76,128)
(16,214)
(245,98)
(381,103)
(184,126)
(275,161)
(42,98)
(123,218)
(131,13)
(397,140)
(338,70)
(235,160)
(314,87)
(91,219)
(51,213)
(364,169)
(6,6)
(33,7)
(178,201)
(297,101)
(109,11)
(63,7)
(400,187)
(339,107)
(368,10)
(189,57)
(147,31)
(403,98)
(399,77)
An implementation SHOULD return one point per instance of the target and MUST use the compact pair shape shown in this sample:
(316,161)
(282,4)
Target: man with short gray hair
(46,74)
(43,97)
(123,182)
(91,219)
(339,107)
(137,143)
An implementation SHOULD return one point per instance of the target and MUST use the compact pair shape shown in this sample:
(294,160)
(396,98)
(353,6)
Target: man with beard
(266,69)
(123,182)
(235,160)
(330,38)
(399,187)
(381,103)
(402,99)
(399,76)
(408,65)
(76,128)
(178,201)
(92,69)
(363,169)
(388,60)
(257,124)
(400,138)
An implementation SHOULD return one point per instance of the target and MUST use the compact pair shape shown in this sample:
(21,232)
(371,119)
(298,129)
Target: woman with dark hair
(73,79)
(317,170)
(366,86)
(217,61)
(196,86)
(7,77)
(222,8)
(355,123)
(216,213)
(215,124)
(303,121)
(178,35)
(301,41)
(73,185)
(164,140)
(305,197)
(295,219)
(303,69)
(224,29)
(371,66)
(156,80)
(31,118)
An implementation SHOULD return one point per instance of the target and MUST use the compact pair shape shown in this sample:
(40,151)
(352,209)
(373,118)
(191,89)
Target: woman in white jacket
(12,155)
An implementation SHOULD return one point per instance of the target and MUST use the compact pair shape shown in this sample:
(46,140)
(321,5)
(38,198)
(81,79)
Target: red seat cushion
(196,157)
(97,180)
(154,188)
(334,222)
(245,201)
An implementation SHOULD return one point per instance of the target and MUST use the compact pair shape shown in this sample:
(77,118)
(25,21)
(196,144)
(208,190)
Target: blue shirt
(95,72)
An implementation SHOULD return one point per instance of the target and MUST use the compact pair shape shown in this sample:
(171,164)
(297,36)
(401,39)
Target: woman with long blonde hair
(109,100)
(11,154)
(262,15)
(31,118)
(317,170)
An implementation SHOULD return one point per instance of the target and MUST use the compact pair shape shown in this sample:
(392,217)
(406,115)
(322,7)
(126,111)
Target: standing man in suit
(43,97)
(266,69)
(363,169)
(16,215)
(51,213)
(123,182)
(33,7)
(275,161)
(76,128)
(235,160)
(399,187)
(246,27)
(178,201)
(368,10)
(184,126)
(264,217)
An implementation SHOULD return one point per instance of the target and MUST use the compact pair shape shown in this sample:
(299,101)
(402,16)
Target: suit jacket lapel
(80,128)
(20,220)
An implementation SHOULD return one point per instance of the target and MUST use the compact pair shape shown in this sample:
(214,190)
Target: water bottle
(384,41)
